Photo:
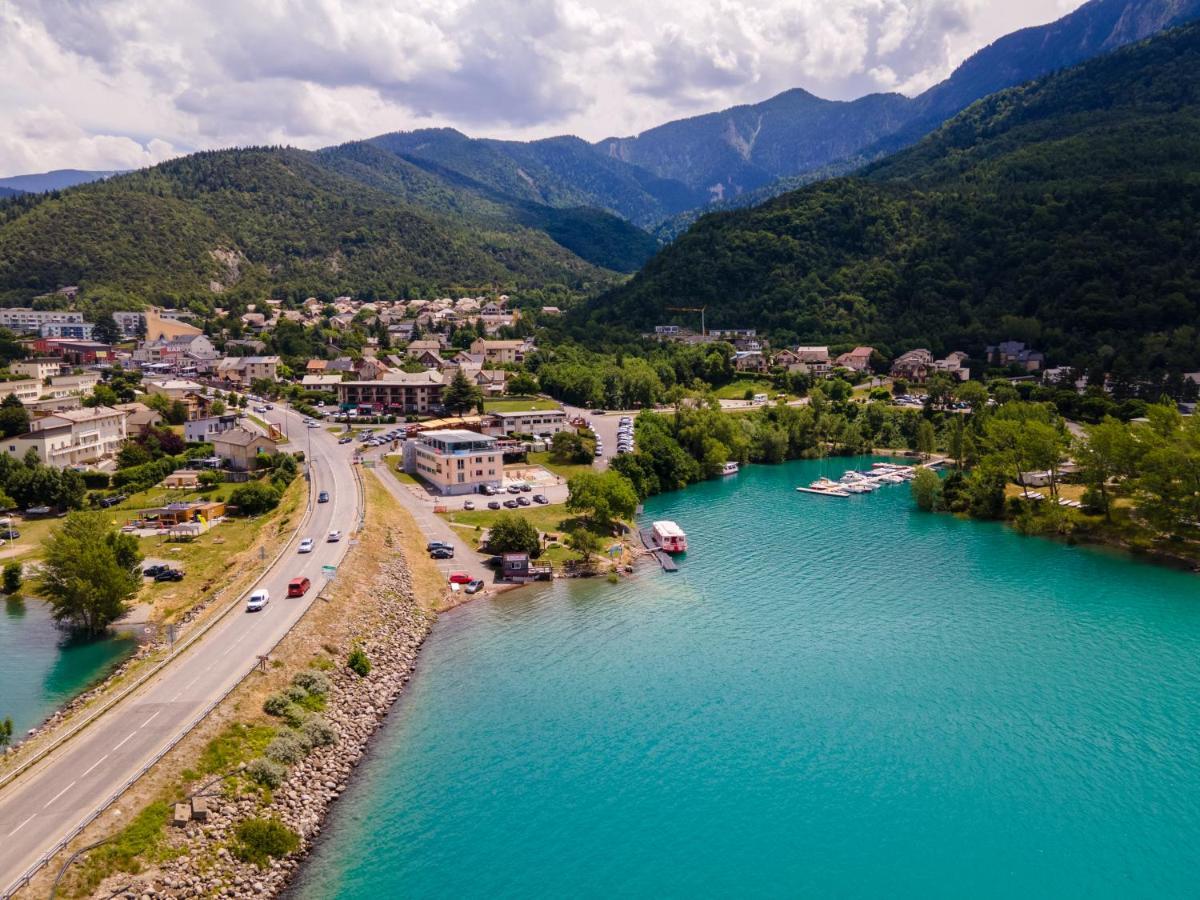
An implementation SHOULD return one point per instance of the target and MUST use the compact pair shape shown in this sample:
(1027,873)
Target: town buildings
(72,437)
(500,351)
(1015,353)
(24,320)
(199,431)
(856,360)
(38,367)
(397,392)
(915,365)
(245,369)
(455,461)
(535,422)
(240,447)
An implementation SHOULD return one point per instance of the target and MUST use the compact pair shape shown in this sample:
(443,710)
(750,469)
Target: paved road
(46,804)
(432,526)
(605,427)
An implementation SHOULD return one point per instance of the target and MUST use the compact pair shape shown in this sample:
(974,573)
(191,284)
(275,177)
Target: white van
(258,600)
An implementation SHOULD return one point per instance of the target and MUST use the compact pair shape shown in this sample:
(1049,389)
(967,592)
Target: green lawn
(565,470)
(520,404)
(736,390)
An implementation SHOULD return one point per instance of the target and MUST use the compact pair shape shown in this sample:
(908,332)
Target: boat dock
(664,558)
(822,493)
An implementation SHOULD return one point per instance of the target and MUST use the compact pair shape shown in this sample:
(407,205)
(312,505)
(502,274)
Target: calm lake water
(833,698)
(42,667)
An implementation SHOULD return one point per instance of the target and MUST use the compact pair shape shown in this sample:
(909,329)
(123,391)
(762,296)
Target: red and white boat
(669,537)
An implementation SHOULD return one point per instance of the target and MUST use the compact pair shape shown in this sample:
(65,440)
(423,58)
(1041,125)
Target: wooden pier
(664,558)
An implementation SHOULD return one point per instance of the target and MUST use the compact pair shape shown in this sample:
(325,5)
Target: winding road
(45,806)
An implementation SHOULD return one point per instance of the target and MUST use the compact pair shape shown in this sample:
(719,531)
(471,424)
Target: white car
(334,537)
(258,600)
(306,546)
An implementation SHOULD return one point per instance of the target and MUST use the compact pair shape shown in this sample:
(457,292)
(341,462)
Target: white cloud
(118,83)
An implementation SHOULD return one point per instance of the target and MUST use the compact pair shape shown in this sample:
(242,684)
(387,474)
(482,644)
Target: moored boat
(668,537)
(730,468)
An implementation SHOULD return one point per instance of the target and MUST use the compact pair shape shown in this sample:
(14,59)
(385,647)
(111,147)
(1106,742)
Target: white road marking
(22,825)
(59,794)
(96,763)
(149,720)
(123,743)
(176,697)
(190,683)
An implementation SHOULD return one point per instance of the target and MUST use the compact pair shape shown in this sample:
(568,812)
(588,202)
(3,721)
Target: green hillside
(1062,211)
(243,221)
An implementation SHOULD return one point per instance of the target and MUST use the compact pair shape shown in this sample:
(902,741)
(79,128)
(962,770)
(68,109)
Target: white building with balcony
(71,438)
(455,461)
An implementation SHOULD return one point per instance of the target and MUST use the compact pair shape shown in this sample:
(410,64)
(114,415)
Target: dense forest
(243,222)
(1062,213)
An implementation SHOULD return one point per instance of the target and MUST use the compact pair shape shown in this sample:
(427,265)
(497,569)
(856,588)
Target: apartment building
(398,392)
(500,351)
(27,390)
(537,422)
(71,438)
(39,367)
(30,321)
(455,461)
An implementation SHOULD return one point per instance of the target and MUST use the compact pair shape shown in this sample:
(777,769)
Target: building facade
(72,438)
(41,367)
(398,392)
(543,421)
(455,461)
(30,321)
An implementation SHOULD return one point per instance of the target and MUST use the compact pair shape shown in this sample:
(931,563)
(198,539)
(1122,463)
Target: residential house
(250,344)
(321,382)
(246,369)
(455,461)
(814,360)
(396,392)
(315,366)
(73,385)
(199,431)
(27,390)
(751,361)
(915,365)
(72,437)
(416,348)
(551,311)
(501,351)
(1010,353)
(139,418)
(369,369)
(953,366)
(856,360)
(240,447)
(40,368)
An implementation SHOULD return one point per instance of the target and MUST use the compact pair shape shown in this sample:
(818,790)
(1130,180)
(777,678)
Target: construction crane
(699,309)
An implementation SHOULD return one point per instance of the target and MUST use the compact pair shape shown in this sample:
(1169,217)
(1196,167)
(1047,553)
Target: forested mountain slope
(1063,211)
(245,221)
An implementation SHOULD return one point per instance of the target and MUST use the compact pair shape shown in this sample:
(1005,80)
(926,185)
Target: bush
(358,662)
(286,749)
(96,481)
(319,733)
(313,682)
(261,839)
(266,773)
(12,577)
(277,704)
(254,498)
(295,693)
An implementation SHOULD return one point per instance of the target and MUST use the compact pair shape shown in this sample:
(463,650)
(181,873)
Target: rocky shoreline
(391,632)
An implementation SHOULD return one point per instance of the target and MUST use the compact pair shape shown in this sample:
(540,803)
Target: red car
(298,587)
(460,578)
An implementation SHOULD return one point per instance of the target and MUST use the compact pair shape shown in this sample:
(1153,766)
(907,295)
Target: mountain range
(1061,212)
(363,216)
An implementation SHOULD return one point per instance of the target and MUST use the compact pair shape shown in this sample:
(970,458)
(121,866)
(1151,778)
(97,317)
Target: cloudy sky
(99,84)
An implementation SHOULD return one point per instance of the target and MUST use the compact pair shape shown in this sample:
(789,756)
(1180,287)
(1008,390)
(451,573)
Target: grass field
(565,470)
(520,404)
(736,390)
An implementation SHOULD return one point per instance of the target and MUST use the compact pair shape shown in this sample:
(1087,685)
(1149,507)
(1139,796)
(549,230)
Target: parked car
(169,574)
(334,537)
(468,505)
(540,498)
(313,423)
(511,504)
(460,578)
(475,586)
(10,534)
(298,587)
(38,511)
(152,571)
(258,600)
(599,450)
(524,488)
(306,546)
(323,497)
(523,501)
(345,440)
(495,504)
(514,489)
(436,545)
(442,553)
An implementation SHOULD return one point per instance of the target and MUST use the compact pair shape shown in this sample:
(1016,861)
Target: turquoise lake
(42,667)
(833,698)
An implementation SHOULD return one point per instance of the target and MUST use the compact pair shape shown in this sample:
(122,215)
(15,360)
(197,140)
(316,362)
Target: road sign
(328,571)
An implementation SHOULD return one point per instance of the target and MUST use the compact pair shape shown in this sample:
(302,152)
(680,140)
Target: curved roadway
(44,806)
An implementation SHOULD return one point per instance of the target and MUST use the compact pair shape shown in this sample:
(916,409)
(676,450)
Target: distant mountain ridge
(56,180)
(746,154)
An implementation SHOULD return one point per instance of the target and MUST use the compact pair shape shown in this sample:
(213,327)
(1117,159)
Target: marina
(881,474)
